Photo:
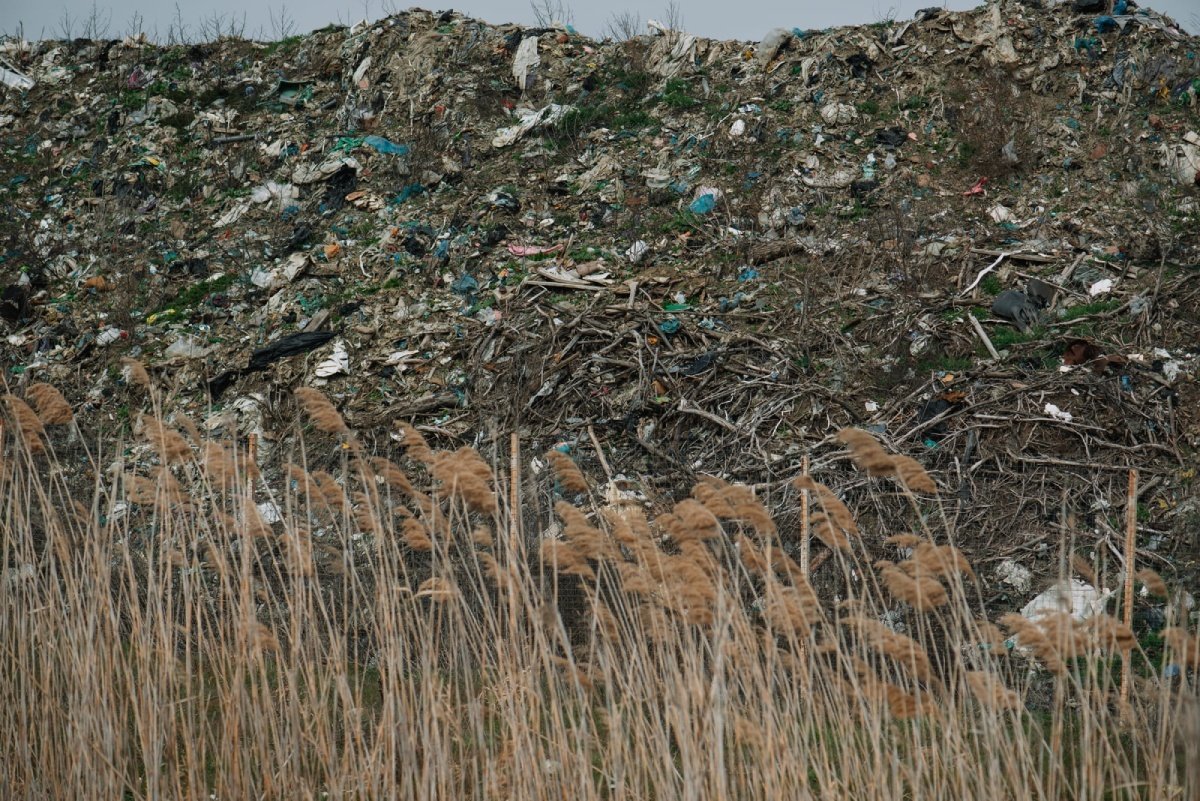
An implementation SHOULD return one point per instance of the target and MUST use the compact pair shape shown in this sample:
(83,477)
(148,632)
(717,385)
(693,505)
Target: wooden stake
(804,530)
(514,495)
(1130,556)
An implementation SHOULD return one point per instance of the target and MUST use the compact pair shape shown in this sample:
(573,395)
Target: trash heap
(974,234)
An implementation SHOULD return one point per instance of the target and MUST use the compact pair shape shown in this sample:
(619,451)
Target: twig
(987,343)
(1066,273)
(229,140)
(712,418)
(1066,463)
(1033,257)
(984,272)
(600,453)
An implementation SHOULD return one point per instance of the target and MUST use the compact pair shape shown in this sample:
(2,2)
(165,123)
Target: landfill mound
(974,234)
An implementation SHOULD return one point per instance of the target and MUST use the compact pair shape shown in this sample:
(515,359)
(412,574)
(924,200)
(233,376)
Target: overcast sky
(726,19)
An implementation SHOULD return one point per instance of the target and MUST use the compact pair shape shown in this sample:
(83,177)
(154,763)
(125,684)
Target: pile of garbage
(975,234)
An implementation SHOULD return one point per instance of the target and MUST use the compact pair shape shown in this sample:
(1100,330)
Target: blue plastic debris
(729,304)
(703,204)
(1105,24)
(409,191)
(670,326)
(465,284)
(387,146)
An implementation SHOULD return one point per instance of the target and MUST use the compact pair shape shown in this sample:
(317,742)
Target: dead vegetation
(391,628)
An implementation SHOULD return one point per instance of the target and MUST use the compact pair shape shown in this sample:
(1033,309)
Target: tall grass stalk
(181,622)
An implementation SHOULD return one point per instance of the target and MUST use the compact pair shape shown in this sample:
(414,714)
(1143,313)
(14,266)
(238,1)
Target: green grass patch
(1007,336)
(944,363)
(868,108)
(133,99)
(991,285)
(197,292)
(1088,309)
(676,95)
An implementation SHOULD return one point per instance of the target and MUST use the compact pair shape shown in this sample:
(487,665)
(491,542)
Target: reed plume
(135,372)
(913,475)
(166,441)
(414,443)
(567,472)
(28,425)
(51,407)
(990,691)
(321,412)
(1153,582)
(867,453)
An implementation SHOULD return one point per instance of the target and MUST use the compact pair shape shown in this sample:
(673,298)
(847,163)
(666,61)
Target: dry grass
(206,630)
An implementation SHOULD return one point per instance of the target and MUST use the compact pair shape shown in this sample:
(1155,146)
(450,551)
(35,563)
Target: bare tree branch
(283,26)
(623,26)
(673,16)
(136,26)
(96,24)
(177,30)
(548,13)
(66,25)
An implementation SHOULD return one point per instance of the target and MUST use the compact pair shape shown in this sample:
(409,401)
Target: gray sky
(726,19)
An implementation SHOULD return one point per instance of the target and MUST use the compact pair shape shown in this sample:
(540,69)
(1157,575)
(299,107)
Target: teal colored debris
(385,146)
(703,204)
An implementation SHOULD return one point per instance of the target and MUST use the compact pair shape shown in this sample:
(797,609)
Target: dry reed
(182,647)
(51,407)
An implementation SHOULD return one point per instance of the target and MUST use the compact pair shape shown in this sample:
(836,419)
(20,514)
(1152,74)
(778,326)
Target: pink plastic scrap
(978,188)
(533,250)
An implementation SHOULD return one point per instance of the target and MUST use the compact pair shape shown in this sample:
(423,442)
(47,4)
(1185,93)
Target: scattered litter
(261,359)
(533,250)
(186,348)
(1071,596)
(1014,575)
(529,120)
(770,45)
(487,217)
(525,63)
(338,362)
(1050,410)
(977,188)
(10,77)
(1016,306)
(386,146)
(308,174)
